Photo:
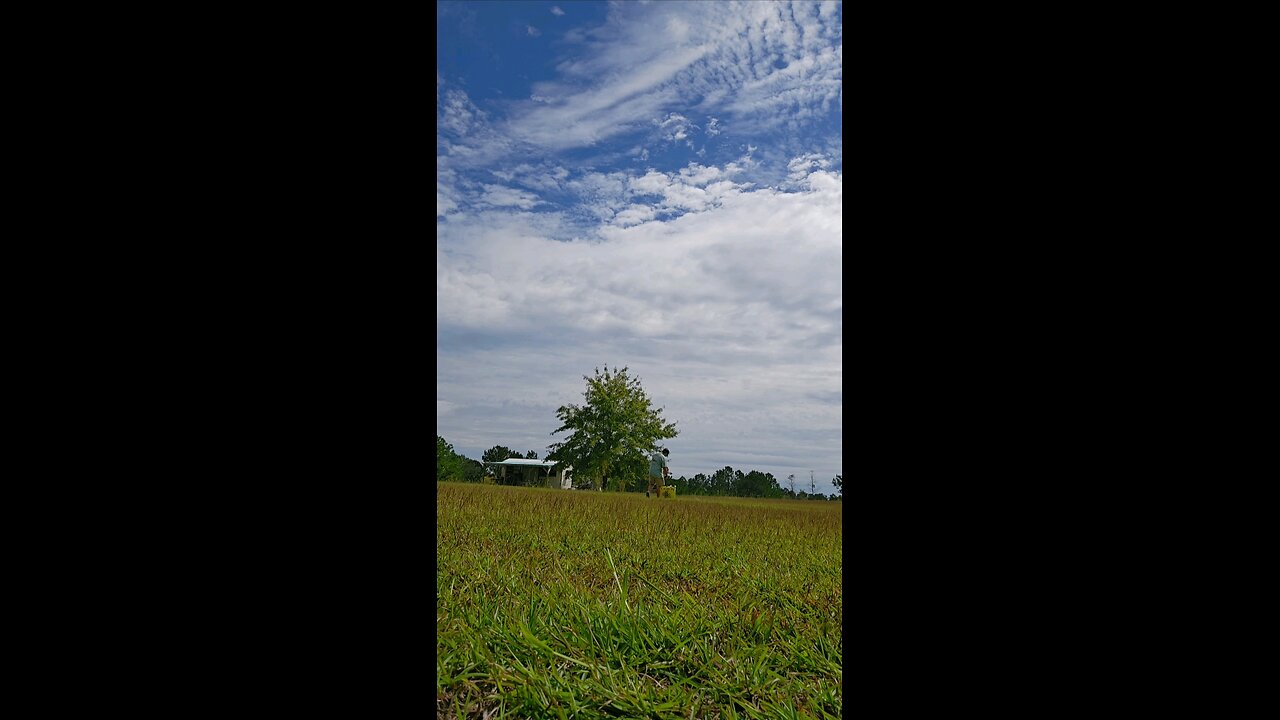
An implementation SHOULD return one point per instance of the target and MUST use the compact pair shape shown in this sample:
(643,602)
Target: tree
(531,455)
(611,432)
(498,453)
(472,470)
(813,486)
(754,484)
(449,465)
(838,482)
(792,480)
(722,481)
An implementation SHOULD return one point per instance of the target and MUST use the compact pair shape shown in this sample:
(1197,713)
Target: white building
(545,472)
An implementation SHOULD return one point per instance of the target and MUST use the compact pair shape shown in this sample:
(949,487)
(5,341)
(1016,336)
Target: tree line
(609,438)
(450,466)
(727,481)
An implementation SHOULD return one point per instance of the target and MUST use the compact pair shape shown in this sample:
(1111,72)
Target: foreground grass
(569,604)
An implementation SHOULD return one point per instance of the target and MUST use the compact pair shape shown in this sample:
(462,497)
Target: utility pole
(813,487)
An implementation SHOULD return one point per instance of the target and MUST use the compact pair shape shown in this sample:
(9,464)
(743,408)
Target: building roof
(524,461)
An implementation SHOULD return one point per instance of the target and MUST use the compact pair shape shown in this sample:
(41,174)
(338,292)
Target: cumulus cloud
(500,196)
(721,266)
(535,32)
(800,167)
(634,215)
(716,314)
(555,10)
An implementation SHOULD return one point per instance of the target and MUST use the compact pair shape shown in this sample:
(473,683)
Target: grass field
(578,604)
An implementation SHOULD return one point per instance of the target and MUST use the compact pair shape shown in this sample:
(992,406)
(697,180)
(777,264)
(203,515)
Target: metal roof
(524,461)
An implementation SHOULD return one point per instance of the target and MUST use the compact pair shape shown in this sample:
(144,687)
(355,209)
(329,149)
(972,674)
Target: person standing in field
(658,471)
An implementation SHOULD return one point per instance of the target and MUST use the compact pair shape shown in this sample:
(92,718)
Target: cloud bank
(668,200)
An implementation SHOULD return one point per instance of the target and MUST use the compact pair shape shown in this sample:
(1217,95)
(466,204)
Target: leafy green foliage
(552,603)
(498,453)
(610,434)
(449,465)
(730,482)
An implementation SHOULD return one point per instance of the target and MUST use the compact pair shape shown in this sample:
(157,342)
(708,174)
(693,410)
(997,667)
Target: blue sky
(656,185)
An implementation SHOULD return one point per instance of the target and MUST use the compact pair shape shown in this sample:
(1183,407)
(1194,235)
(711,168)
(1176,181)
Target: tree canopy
(498,453)
(454,467)
(610,434)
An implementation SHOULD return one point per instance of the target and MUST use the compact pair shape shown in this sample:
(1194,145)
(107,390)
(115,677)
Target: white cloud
(696,174)
(446,195)
(456,114)
(764,65)
(692,189)
(500,196)
(555,10)
(736,332)
(800,167)
(535,32)
(675,127)
(741,233)
(444,205)
(634,215)
(761,58)
(586,116)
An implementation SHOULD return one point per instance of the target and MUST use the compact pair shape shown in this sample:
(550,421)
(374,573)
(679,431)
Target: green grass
(577,604)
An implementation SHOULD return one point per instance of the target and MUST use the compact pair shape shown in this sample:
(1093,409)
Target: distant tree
(813,486)
(531,455)
(498,453)
(722,481)
(838,482)
(774,490)
(753,484)
(449,466)
(611,431)
(472,470)
(791,479)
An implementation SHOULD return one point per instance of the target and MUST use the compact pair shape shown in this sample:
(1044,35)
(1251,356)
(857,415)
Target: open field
(578,604)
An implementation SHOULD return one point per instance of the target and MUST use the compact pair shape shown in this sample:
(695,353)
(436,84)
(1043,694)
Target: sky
(650,185)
